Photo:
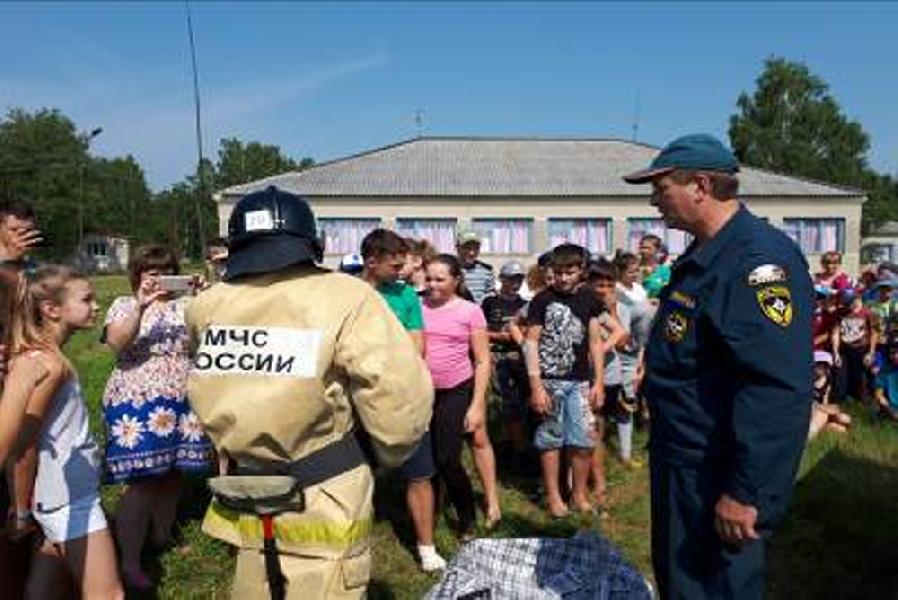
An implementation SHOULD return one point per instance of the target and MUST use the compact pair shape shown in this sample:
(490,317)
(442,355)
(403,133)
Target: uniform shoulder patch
(766,275)
(676,326)
(776,304)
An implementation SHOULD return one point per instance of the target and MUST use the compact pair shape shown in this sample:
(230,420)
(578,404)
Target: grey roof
(515,167)
(887,228)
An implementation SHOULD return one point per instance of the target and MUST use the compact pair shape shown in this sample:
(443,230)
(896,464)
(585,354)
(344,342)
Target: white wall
(540,209)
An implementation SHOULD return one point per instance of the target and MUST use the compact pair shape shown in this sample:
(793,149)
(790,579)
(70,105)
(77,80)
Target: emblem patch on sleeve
(776,304)
(675,327)
(767,275)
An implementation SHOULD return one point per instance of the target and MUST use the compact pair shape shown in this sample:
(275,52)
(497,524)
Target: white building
(528,194)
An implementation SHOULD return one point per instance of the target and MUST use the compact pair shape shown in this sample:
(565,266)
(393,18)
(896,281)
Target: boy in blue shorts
(564,352)
(383,255)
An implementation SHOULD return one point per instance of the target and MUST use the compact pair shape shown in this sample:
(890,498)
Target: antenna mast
(636,115)
(419,121)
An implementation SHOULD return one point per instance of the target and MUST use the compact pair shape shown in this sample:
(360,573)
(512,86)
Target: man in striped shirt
(479,277)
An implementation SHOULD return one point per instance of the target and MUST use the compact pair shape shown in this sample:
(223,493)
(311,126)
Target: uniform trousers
(308,577)
(689,559)
(447,428)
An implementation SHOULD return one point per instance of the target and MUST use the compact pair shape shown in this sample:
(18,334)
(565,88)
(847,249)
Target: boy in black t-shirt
(511,373)
(563,349)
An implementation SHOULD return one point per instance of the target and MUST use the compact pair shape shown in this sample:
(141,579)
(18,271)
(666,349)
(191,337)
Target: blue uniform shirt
(729,363)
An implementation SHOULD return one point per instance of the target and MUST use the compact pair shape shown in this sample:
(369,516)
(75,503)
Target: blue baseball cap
(700,152)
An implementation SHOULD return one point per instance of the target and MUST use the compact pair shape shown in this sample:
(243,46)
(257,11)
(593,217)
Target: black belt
(317,467)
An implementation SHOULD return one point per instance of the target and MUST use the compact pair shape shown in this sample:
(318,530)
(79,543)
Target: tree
(42,159)
(240,162)
(793,125)
(45,160)
(120,199)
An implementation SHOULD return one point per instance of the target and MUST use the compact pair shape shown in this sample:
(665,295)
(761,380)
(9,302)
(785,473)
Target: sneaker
(432,561)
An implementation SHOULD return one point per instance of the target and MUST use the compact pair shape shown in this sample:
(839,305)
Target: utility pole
(201,183)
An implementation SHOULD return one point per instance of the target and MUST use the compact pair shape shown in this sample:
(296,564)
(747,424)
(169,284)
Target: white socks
(430,560)
(625,438)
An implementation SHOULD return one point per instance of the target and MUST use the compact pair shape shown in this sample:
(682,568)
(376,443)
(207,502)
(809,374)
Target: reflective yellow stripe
(294,531)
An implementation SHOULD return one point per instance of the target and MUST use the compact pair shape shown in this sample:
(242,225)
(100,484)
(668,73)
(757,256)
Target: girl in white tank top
(42,407)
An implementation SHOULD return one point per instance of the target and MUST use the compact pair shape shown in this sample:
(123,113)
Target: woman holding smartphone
(152,435)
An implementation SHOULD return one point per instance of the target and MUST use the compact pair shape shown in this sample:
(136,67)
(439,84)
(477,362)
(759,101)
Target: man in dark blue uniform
(728,379)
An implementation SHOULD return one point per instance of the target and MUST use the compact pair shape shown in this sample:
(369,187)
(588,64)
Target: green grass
(837,542)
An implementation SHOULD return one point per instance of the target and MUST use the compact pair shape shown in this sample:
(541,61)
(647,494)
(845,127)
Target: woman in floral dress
(152,435)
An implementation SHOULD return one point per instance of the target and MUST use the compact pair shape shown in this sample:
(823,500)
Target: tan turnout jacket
(286,363)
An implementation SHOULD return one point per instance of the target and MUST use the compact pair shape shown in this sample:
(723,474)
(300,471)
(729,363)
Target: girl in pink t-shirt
(454,331)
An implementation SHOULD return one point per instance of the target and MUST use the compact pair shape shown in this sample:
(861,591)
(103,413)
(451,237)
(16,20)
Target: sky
(329,80)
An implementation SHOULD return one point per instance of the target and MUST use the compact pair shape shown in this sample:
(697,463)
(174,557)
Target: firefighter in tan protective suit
(288,360)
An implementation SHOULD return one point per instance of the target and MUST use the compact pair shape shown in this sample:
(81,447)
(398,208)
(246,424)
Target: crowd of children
(560,343)
(855,330)
(565,340)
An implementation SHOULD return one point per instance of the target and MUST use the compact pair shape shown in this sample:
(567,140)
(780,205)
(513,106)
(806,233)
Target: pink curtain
(439,232)
(344,236)
(504,236)
(675,240)
(592,234)
(816,235)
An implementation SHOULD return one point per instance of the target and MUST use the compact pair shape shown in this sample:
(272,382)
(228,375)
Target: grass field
(838,542)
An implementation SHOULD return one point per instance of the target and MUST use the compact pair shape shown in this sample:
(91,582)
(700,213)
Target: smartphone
(176,283)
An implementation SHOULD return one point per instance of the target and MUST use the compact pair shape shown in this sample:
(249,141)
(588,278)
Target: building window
(592,234)
(344,236)
(439,232)
(675,240)
(877,253)
(504,236)
(96,249)
(816,235)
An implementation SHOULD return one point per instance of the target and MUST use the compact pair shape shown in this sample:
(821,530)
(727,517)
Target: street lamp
(82,168)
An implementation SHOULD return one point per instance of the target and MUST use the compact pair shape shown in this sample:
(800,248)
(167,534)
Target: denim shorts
(570,420)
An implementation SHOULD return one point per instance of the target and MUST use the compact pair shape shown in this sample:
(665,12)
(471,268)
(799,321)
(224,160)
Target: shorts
(570,421)
(72,521)
(420,464)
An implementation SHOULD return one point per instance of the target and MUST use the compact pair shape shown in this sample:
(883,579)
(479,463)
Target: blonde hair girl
(42,406)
